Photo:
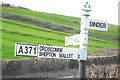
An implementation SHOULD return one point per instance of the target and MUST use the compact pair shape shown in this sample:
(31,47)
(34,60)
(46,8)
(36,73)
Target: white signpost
(84,37)
(44,51)
(98,25)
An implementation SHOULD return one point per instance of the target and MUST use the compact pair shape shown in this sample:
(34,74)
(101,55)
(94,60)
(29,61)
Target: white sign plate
(98,25)
(69,40)
(58,52)
(26,49)
(76,39)
(44,51)
(72,40)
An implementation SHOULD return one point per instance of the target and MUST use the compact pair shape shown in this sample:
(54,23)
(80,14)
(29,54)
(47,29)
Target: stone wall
(103,67)
(97,67)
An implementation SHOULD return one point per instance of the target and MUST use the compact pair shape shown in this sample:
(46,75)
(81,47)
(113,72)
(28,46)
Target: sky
(106,10)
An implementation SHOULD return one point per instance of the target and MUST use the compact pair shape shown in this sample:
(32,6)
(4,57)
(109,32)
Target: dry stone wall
(97,67)
(103,67)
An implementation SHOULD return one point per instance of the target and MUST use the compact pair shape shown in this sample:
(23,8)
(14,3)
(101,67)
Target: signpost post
(84,37)
(85,25)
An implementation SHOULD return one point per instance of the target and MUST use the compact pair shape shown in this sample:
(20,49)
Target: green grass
(53,18)
(99,44)
(18,31)
(60,20)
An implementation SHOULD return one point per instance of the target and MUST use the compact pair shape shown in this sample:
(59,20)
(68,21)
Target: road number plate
(26,49)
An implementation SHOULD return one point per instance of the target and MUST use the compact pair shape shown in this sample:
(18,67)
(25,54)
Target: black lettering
(66,55)
(56,49)
(45,53)
(101,25)
(91,24)
(35,50)
(40,53)
(53,55)
(20,50)
(104,25)
(45,48)
(50,49)
(30,50)
(61,49)
(41,48)
(98,24)
(26,50)
(78,56)
(60,55)
(53,49)
(71,55)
